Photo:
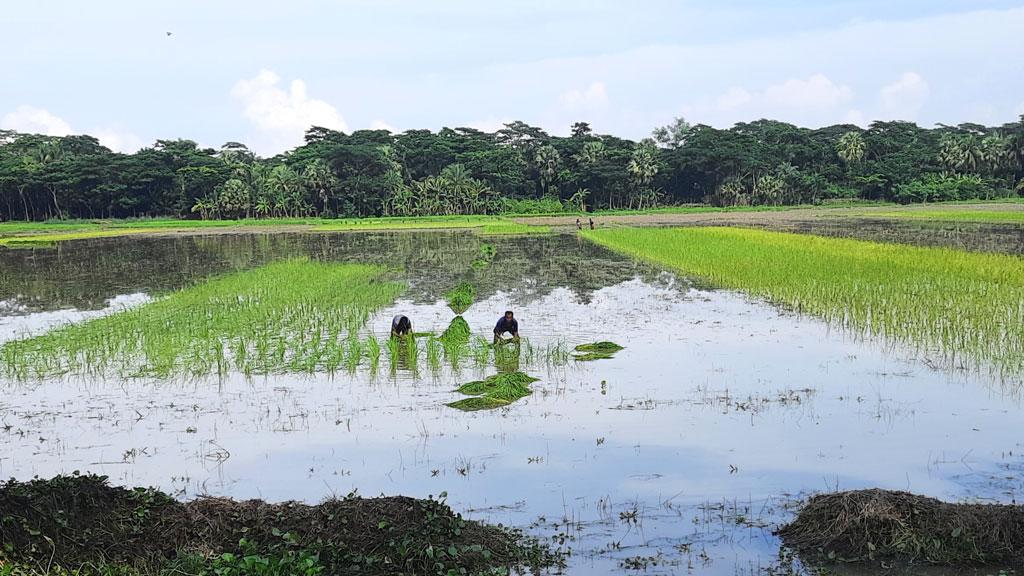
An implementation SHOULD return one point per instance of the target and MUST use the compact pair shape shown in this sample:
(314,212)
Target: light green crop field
(288,316)
(966,306)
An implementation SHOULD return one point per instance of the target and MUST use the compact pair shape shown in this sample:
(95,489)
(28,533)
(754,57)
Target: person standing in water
(506,323)
(401,326)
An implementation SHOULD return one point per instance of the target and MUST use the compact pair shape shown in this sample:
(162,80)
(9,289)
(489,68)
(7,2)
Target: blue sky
(260,72)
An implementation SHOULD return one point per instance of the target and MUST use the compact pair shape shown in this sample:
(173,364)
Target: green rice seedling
(433,349)
(962,215)
(373,353)
(458,332)
(494,391)
(481,351)
(509,228)
(394,347)
(461,297)
(353,352)
(287,316)
(595,351)
(966,305)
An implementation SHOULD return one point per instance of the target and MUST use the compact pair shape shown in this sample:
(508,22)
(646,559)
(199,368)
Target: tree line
(519,168)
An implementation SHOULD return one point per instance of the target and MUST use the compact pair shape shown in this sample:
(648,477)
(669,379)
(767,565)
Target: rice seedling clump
(288,316)
(461,297)
(458,332)
(596,351)
(966,306)
(494,391)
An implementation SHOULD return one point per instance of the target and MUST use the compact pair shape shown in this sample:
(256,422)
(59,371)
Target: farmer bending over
(506,323)
(400,326)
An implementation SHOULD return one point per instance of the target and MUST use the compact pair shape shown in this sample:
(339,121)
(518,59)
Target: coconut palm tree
(319,177)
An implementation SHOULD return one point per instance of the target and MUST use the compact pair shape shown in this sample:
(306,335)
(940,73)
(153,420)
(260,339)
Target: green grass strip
(966,306)
(982,216)
(288,316)
(494,391)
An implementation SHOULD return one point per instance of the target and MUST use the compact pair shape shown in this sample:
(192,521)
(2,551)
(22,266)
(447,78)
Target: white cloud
(904,98)
(818,92)
(855,117)
(281,117)
(32,120)
(595,97)
(733,98)
(382,125)
(119,141)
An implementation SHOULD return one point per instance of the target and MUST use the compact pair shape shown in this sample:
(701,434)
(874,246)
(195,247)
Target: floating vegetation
(461,298)
(81,525)
(966,306)
(882,525)
(50,240)
(494,391)
(288,316)
(595,351)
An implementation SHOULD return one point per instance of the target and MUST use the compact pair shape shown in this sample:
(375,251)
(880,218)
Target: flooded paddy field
(680,454)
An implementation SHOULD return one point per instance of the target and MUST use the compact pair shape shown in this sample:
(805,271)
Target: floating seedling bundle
(494,391)
(596,351)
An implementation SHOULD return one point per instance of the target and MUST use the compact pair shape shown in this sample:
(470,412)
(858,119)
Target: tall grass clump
(967,306)
(288,316)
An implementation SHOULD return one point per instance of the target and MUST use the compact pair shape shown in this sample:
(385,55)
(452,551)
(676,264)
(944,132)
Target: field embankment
(83,525)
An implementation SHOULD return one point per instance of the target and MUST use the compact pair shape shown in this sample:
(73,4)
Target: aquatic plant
(968,306)
(494,391)
(461,297)
(288,316)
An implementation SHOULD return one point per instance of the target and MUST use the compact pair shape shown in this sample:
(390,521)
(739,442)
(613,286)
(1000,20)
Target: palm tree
(579,199)
(319,177)
(548,160)
(643,167)
(851,147)
(591,153)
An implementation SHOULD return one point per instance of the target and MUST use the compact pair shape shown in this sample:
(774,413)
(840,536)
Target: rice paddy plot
(968,308)
(289,316)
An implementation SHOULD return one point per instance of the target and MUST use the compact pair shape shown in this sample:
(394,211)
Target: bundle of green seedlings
(967,306)
(494,391)
(82,526)
(461,297)
(596,351)
(288,316)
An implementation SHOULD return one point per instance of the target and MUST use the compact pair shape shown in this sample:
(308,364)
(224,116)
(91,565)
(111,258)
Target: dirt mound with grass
(869,525)
(73,521)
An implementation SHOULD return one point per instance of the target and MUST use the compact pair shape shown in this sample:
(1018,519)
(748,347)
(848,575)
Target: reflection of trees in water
(84,274)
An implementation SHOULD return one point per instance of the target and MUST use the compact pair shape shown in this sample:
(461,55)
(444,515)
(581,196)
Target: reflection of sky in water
(718,407)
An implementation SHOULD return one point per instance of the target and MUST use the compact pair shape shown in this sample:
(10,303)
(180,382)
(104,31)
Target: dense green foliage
(519,168)
(494,391)
(965,305)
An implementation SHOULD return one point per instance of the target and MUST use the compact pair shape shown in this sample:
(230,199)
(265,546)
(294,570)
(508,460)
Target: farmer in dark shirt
(506,323)
(401,326)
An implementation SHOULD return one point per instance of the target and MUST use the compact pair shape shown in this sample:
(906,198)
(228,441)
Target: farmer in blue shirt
(506,323)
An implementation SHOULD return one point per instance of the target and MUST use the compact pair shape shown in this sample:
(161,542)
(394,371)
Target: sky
(261,72)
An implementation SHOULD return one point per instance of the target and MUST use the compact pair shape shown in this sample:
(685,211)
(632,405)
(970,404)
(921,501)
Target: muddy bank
(882,525)
(75,521)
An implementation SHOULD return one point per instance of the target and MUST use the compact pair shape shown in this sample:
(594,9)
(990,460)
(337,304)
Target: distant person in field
(579,225)
(506,323)
(401,326)
(591,223)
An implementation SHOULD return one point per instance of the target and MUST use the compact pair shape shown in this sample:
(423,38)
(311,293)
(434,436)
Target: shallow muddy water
(679,455)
